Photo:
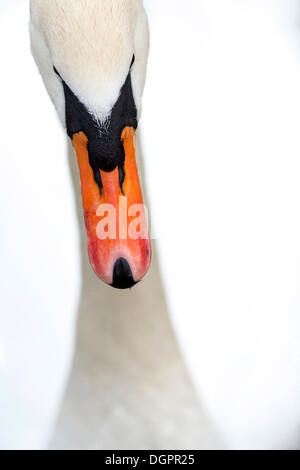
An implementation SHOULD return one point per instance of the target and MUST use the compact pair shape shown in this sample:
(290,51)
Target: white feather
(91,43)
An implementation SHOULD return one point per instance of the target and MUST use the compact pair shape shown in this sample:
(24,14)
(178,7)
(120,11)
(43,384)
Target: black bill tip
(122,275)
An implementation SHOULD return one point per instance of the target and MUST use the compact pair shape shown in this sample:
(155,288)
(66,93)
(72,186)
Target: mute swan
(92,56)
(242,348)
(154,417)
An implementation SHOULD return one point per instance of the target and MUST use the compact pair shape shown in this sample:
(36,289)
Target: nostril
(122,275)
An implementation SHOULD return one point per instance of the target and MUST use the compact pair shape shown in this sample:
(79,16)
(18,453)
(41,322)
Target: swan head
(92,55)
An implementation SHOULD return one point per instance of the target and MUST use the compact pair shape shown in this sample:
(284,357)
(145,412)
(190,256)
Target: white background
(220,136)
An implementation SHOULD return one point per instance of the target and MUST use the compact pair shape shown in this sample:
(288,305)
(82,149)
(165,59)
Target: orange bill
(115,217)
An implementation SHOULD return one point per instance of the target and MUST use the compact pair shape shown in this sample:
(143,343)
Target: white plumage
(237,315)
(91,43)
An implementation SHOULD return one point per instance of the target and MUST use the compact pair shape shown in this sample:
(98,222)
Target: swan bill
(115,217)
